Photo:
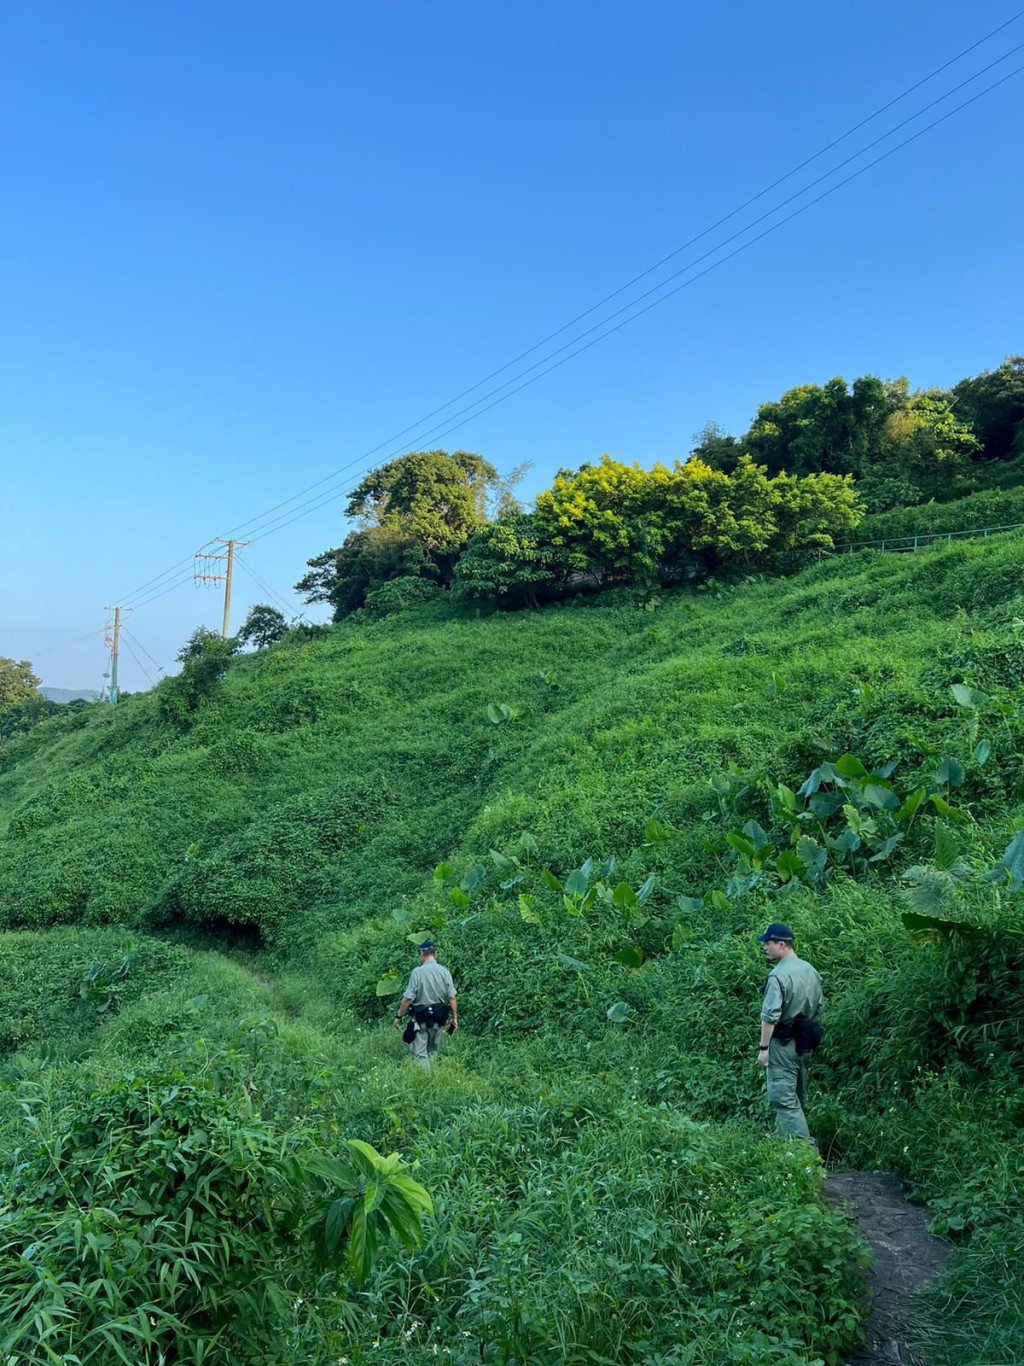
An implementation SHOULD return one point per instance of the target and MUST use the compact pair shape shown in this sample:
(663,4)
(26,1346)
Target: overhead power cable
(264,586)
(251,525)
(280,523)
(138,661)
(260,519)
(125,631)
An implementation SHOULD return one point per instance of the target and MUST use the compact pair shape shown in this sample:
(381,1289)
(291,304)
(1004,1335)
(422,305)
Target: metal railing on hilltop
(918,540)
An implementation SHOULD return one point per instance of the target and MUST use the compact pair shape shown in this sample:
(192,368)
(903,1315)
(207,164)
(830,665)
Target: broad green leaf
(443,871)
(949,773)
(655,833)
(946,851)
(849,766)
(789,865)
(883,850)
(1011,865)
(389,983)
(527,911)
(719,901)
(757,837)
(401,916)
(811,855)
(981,751)
(678,938)
(740,843)
(778,683)
(549,880)
(786,798)
(881,796)
(499,860)
(573,964)
(528,844)
(459,897)
(419,937)
(968,697)
(632,956)
(576,883)
(618,1013)
(607,868)
(690,904)
(624,897)
(905,815)
(645,889)
(474,877)
(950,813)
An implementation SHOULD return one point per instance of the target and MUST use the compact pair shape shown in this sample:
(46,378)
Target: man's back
(793,988)
(429,984)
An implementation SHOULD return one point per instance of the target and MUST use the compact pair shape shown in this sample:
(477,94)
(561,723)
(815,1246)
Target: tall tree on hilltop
(17,683)
(992,403)
(417,514)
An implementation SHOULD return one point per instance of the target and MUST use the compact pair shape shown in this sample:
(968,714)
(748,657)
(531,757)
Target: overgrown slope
(603,1190)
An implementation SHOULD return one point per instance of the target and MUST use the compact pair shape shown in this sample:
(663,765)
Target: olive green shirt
(793,988)
(429,984)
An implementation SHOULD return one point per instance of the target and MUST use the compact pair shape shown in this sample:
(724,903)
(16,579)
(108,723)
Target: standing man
(792,1002)
(431,997)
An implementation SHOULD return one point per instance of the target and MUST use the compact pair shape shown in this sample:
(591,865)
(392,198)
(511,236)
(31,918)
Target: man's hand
(453,1026)
(762,1057)
(397,1022)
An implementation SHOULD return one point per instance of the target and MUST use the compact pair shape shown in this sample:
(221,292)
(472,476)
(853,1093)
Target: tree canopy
(17,683)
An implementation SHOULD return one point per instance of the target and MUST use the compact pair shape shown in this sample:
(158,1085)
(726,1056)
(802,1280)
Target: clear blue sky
(243,243)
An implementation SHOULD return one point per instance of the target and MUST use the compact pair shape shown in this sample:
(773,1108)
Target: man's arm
(453,1007)
(771,1013)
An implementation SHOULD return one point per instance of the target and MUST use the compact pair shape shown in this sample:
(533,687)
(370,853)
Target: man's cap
(776,931)
(427,946)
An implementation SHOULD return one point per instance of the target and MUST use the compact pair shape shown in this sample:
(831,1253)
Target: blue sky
(242,244)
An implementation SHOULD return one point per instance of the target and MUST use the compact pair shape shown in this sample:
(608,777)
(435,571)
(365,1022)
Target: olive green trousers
(787,1088)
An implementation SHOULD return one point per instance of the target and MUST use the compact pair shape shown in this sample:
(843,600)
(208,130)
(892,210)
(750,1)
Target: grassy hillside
(607,1188)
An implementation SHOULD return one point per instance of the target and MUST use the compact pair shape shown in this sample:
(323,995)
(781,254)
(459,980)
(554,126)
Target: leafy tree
(205,658)
(927,446)
(398,595)
(17,682)
(342,577)
(714,447)
(417,513)
(263,626)
(510,562)
(429,497)
(992,404)
(604,519)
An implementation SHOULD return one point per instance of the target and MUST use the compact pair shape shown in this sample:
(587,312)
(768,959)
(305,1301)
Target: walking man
(430,996)
(792,1003)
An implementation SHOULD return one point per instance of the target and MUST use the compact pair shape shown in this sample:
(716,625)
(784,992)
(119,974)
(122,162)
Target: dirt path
(906,1259)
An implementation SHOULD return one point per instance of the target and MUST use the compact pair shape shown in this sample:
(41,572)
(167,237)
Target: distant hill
(70,694)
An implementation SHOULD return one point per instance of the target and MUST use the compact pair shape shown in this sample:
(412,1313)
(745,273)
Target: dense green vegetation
(593,809)
(798,481)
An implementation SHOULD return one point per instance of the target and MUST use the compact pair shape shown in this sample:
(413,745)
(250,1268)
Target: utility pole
(228,560)
(114,641)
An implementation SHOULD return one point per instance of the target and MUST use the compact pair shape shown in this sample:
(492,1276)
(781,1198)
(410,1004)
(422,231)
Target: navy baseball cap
(775,931)
(427,946)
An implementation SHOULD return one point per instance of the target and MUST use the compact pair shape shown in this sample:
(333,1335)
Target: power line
(259,519)
(442,427)
(65,644)
(138,661)
(281,523)
(159,667)
(264,586)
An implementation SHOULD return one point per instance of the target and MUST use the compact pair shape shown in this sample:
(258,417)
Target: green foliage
(164,1214)
(599,1107)
(205,658)
(398,595)
(18,684)
(263,626)
(418,513)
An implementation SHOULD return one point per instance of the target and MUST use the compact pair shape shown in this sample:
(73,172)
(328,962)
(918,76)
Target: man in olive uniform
(793,990)
(430,996)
